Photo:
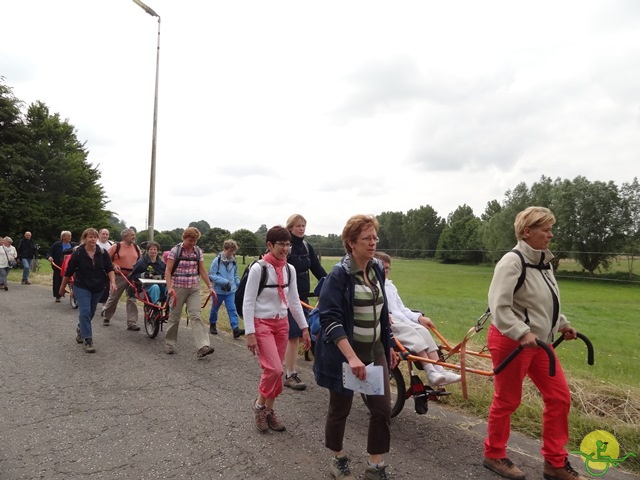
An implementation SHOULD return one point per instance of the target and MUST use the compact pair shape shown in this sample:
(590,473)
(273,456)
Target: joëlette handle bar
(590,355)
(519,348)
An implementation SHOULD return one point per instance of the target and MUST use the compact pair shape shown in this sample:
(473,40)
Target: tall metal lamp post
(152,181)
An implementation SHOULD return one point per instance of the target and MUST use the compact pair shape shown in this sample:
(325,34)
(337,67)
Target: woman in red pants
(523,312)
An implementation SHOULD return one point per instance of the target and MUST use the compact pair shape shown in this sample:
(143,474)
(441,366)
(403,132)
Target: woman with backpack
(271,291)
(304,259)
(526,308)
(224,276)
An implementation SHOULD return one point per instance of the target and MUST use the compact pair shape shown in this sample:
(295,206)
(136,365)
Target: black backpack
(239,299)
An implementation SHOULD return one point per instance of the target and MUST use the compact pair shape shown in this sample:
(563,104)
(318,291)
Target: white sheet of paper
(373,385)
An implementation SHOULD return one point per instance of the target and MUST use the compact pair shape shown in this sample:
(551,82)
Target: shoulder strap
(263,275)
(306,246)
(219,258)
(176,260)
(526,265)
(523,275)
(117,252)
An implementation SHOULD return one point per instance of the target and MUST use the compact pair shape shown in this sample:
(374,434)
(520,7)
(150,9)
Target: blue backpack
(314,316)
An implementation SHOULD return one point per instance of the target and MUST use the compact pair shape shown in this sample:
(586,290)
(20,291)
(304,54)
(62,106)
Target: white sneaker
(450,377)
(436,379)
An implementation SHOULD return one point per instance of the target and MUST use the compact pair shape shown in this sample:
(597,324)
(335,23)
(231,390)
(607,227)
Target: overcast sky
(331,108)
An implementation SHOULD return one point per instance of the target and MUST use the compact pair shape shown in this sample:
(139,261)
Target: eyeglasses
(283,244)
(370,239)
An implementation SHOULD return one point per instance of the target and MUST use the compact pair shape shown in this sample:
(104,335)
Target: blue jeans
(26,269)
(4,272)
(229,300)
(87,303)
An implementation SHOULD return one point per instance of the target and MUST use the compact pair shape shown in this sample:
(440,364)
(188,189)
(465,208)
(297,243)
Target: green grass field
(606,396)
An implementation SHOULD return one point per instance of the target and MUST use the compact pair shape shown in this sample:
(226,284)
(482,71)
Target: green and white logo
(600,451)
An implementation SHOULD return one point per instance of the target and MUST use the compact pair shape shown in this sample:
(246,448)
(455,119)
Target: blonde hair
(230,245)
(355,225)
(532,217)
(293,219)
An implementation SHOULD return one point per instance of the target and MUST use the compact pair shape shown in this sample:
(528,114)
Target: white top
(7,253)
(105,245)
(396,308)
(269,304)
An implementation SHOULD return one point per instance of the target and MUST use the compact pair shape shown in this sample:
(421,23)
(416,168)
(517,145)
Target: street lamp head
(146,8)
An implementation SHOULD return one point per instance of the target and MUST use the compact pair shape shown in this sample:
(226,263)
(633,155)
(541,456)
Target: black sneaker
(133,328)
(238,332)
(78,336)
(213,330)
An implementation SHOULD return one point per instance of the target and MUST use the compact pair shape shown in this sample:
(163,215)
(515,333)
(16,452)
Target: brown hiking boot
(503,467)
(204,351)
(274,422)
(261,421)
(565,472)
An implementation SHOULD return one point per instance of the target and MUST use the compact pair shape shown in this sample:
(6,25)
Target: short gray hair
(127,231)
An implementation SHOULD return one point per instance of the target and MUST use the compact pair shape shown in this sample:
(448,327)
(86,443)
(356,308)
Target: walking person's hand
(252,343)
(306,339)
(358,368)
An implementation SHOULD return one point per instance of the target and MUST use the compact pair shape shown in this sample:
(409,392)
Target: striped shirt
(367,306)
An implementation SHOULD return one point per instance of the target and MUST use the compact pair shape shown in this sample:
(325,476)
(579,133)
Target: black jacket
(303,257)
(89,274)
(27,249)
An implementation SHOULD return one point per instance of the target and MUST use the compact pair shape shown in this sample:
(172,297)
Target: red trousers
(272,336)
(508,395)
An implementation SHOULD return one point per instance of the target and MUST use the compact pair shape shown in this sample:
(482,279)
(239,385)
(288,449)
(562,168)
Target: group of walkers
(10,258)
(360,313)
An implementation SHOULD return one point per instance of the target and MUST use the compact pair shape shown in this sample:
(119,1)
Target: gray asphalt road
(130,411)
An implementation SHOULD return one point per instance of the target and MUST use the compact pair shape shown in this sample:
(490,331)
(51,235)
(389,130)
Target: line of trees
(46,181)
(595,222)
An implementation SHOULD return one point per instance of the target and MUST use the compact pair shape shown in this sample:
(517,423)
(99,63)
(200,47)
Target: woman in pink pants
(270,291)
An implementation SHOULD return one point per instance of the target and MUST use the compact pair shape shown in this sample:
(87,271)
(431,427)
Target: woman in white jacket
(524,312)
(8,257)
